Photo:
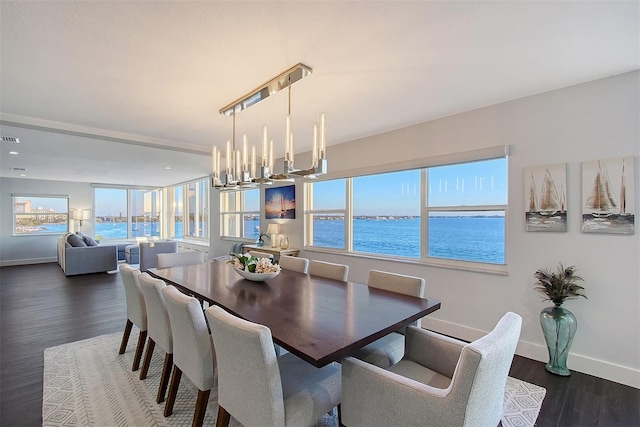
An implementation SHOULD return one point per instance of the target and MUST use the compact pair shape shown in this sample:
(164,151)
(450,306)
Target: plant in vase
(558,324)
(260,240)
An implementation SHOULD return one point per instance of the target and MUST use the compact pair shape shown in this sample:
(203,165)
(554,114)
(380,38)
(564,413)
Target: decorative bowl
(256,277)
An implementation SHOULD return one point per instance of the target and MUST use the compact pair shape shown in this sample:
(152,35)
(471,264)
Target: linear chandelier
(241,168)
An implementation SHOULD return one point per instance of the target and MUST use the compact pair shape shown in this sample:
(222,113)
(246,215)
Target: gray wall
(16,250)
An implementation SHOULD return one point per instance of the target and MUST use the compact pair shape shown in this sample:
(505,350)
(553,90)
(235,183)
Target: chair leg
(223,417)
(151,344)
(173,391)
(340,416)
(139,349)
(164,379)
(201,408)
(125,336)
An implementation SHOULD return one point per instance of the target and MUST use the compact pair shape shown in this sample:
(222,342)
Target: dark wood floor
(40,308)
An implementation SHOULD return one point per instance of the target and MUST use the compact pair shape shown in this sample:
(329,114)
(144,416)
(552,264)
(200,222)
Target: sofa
(79,254)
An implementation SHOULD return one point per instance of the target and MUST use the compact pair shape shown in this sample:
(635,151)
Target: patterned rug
(87,383)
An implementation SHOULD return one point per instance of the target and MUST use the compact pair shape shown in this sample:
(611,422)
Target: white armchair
(440,381)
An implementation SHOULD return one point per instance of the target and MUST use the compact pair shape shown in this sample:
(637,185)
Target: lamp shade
(86,214)
(76,214)
(273,229)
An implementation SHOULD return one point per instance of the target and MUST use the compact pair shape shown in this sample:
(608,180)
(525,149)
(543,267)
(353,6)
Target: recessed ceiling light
(23,174)
(167,167)
(13,152)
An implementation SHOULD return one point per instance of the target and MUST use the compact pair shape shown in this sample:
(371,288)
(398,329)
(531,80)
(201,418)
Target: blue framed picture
(280,202)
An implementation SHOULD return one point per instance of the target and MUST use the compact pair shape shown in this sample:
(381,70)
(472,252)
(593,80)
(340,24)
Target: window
(176,211)
(40,215)
(123,213)
(240,214)
(197,209)
(445,214)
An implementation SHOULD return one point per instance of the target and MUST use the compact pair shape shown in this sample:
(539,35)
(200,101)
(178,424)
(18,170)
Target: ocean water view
(463,238)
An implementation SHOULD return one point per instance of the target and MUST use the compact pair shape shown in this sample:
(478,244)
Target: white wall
(590,121)
(15,250)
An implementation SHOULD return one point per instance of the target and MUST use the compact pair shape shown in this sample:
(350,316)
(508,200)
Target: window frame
(423,165)
(15,214)
(240,211)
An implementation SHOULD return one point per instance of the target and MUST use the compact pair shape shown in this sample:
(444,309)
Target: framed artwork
(608,204)
(280,202)
(545,189)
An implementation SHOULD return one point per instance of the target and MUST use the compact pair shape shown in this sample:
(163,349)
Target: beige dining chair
(159,330)
(389,349)
(136,312)
(176,259)
(328,270)
(192,350)
(261,255)
(260,389)
(293,263)
(440,381)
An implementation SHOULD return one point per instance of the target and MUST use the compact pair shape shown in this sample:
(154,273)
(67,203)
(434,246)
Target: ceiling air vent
(11,139)
(18,169)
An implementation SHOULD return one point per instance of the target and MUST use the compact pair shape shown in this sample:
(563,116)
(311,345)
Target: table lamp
(273,230)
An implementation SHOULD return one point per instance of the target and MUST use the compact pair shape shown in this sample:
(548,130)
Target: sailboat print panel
(546,198)
(280,202)
(608,204)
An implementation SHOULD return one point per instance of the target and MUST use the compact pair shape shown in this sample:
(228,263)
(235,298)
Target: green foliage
(560,285)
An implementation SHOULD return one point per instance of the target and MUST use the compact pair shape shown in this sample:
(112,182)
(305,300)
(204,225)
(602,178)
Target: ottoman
(132,254)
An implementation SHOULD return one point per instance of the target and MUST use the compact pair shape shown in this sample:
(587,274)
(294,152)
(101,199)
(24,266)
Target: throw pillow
(89,241)
(76,241)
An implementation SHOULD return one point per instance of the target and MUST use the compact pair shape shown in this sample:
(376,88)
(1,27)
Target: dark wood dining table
(317,319)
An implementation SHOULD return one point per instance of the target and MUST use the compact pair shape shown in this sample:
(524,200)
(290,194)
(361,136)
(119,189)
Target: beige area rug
(87,383)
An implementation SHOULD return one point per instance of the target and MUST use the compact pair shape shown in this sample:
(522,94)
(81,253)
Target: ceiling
(118,91)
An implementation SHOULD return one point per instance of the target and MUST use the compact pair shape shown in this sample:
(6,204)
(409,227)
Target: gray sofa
(74,258)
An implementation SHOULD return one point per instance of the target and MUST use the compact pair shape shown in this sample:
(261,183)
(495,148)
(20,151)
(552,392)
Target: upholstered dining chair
(176,259)
(159,331)
(136,312)
(329,270)
(389,349)
(293,263)
(440,381)
(259,254)
(192,350)
(259,389)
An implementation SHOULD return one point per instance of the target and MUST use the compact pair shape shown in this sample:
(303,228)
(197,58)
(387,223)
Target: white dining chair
(159,331)
(176,259)
(261,255)
(293,263)
(389,349)
(192,350)
(260,389)
(136,312)
(328,270)
(441,381)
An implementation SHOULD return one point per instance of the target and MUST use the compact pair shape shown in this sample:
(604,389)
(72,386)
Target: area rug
(87,383)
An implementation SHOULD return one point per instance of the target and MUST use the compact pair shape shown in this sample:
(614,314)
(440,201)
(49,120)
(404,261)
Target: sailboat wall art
(546,198)
(280,202)
(608,204)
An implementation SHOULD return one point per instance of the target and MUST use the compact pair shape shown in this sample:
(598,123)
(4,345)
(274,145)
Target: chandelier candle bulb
(265,158)
(228,158)
(245,159)
(253,160)
(271,155)
(323,137)
(314,151)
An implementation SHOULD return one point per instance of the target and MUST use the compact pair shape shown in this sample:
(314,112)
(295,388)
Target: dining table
(318,319)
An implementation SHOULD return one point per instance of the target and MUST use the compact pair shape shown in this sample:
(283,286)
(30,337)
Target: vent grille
(18,169)
(11,139)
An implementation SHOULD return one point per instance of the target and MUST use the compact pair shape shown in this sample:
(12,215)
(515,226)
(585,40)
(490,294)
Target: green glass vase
(559,327)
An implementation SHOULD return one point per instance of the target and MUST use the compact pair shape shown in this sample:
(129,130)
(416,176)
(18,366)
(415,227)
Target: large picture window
(445,214)
(40,215)
(240,214)
(123,213)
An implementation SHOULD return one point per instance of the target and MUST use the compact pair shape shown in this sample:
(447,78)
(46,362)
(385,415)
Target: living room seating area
(80,254)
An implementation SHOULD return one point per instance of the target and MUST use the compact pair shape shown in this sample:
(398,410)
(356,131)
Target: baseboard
(8,263)
(579,363)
